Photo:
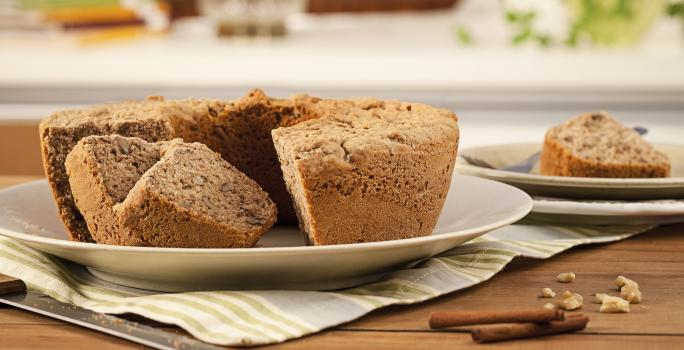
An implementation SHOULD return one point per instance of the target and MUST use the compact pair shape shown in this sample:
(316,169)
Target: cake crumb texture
(165,194)
(597,145)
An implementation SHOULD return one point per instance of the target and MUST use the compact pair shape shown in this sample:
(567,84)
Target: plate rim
(353,247)
(563,181)
(547,206)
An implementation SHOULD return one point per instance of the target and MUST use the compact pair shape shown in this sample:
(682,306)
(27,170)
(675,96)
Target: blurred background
(509,69)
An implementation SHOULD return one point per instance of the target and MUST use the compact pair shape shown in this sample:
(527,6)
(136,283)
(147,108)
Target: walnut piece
(613,304)
(549,306)
(547,293)
(565,277)
(570,301)
(598,297)
(629,290)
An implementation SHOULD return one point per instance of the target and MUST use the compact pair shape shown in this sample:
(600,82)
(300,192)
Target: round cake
(393,156)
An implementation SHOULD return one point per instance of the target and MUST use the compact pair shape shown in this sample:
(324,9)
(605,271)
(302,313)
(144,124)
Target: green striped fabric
(264,317)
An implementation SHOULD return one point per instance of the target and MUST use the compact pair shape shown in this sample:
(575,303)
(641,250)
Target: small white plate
(574,187)
(603,212)
(473,207)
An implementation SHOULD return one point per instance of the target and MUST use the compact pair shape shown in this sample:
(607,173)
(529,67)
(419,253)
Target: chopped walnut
(569,304)
(629,290)
(598,297)
(565,277)
(568,294)
(547,293)
(549,306)
(613,304)
(570,301)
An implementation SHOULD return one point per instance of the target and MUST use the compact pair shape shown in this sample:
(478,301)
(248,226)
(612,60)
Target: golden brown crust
(240,131)
(369,170)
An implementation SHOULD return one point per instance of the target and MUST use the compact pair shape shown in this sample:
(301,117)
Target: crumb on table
(565,277)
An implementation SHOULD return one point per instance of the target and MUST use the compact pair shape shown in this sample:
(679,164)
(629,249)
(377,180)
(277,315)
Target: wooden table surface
(654,259)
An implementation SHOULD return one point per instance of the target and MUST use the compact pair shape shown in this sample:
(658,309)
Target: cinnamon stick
(464,318)
(526,330)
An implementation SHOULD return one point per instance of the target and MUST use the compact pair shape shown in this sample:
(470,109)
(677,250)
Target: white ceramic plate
(574,187)
(602,212)
(473,207)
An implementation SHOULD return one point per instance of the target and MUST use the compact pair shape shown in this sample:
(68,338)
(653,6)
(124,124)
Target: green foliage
(601,22)
(611,22)
(676,9)
(463,35)
(521,21)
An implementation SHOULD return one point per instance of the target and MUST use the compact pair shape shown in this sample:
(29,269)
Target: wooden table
(654,259)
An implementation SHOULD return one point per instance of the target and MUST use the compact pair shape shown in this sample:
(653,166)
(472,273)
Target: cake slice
(102,170)
(166,194)
(368,170)
(597,145)
(240,130)
(152,119)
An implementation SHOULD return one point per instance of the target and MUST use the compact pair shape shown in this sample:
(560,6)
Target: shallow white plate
(473,207)
(574,187)
(603,212)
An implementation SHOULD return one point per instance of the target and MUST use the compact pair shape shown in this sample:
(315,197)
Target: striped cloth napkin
(265,317)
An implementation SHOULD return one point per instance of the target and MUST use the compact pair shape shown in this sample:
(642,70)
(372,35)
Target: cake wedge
(597,145)
(165,194)
(368,170)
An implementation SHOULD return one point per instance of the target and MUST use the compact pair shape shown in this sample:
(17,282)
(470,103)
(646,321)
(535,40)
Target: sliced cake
(102,170)
(597,145)
(368,170)
(165,194)
(239,130)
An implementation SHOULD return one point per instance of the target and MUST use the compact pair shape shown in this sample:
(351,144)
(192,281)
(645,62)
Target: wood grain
(13,316)
(58,337)
(11,285)
(455,341)
(6,181)
(20,149)
(653,259)
(71,337)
